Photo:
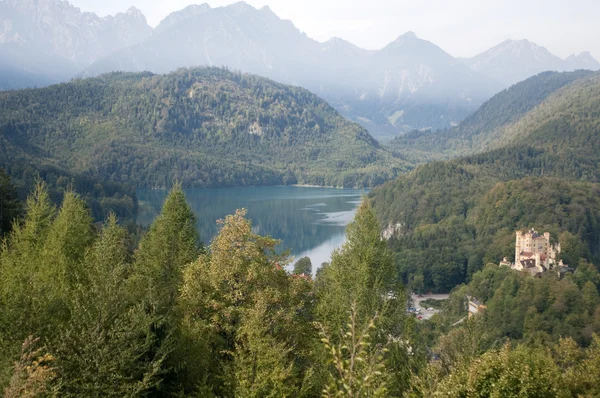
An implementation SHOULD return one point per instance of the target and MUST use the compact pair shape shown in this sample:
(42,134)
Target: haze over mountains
(409,84)
(47,41)
(513,61)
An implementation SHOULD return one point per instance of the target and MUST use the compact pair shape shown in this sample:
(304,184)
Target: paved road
(424,312)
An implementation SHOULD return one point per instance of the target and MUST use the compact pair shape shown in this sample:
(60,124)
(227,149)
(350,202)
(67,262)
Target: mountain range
(49,41)
(488,128)
(513,61)
(409,84)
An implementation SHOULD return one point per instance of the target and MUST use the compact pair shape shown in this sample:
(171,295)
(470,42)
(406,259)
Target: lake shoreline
(309,221)
(260,186)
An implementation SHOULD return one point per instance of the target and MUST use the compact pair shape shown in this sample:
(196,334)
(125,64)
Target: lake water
(310,221)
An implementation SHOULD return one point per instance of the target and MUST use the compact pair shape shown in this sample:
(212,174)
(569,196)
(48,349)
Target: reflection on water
(310,221)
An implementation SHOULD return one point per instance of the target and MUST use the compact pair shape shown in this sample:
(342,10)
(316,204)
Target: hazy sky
(461,27)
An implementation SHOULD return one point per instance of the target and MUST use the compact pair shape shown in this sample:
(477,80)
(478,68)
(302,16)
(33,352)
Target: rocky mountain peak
(241,6)
(134,12)
(63,31)
(409,35)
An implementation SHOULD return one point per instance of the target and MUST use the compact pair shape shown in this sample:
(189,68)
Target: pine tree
(103,349)
(362,277)
(22,301)
(163,254)
(10,205)
(239,301)
(69,237)
(170,244)
(359,365)
(520,372)
(361,272)
(303,266)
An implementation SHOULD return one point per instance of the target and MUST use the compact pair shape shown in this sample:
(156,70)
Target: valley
(454,217)
(204,127)
(211,203)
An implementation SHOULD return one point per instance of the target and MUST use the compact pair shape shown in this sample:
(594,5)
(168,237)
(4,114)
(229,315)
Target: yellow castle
(534,253)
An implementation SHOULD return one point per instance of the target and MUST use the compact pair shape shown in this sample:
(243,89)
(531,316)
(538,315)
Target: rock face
(54,40)
(392,231)
(411,83)
(513,61)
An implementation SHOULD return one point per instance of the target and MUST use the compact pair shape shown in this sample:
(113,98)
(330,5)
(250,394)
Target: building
(534,253)
(474,306)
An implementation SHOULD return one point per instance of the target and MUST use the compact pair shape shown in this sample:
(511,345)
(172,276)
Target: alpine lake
(310,222)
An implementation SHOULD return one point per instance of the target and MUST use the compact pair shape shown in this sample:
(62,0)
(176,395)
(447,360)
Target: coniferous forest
(204,127)
(92,305)
(88,311)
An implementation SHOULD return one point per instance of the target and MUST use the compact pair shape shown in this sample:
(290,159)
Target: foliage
(529,309)
(506,373)
(171,243)
(453,217)
(433,303)
(362,276)
(32,372)
(303,266)
(359,367)
(101,197)
(170,318)
(99,351)
(361,272)
(10,205)
(253,315)
(60,282)
(565,370)
(202,127)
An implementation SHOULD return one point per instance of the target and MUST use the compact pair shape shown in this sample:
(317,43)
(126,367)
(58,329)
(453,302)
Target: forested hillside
(528,309)
(491,125)
(451,218)
(534,337)
(86,314)
(203,127)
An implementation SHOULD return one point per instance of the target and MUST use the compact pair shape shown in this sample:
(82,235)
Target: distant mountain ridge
(513,61)
(50,41)
(489,127)
(409,84)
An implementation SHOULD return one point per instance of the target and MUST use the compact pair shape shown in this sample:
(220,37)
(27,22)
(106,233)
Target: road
(426,314)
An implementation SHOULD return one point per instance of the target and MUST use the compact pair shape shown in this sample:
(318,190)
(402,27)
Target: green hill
(203,127)
(452,217)
(492,125)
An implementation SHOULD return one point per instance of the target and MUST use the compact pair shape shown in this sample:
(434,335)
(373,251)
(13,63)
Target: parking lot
(424,312)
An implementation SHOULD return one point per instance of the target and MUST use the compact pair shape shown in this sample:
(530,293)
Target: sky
(463,28)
